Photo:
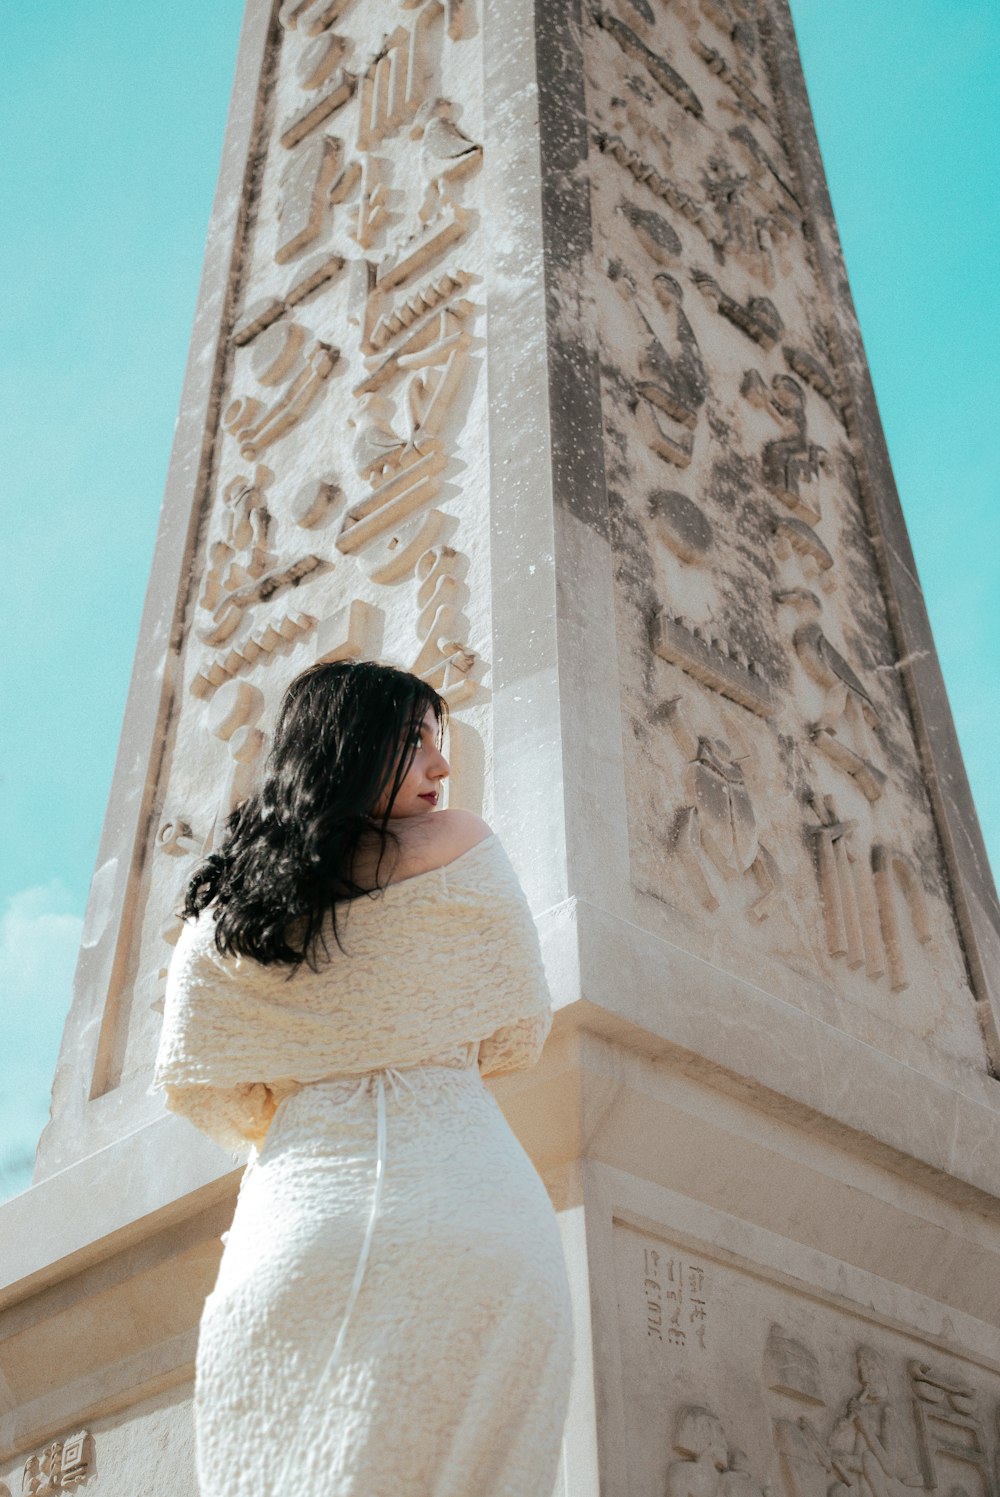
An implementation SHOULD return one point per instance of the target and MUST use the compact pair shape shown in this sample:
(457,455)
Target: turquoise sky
(112,118)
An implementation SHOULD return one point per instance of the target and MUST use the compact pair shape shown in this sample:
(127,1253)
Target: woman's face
(421,788)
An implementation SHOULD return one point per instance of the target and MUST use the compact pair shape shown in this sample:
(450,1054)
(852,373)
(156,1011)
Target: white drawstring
(395,1076)
(313,1404)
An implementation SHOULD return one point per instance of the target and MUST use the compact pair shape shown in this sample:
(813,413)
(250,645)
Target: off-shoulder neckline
(398,883)
(395,884)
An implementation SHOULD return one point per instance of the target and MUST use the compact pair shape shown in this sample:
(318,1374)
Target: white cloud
(39,940)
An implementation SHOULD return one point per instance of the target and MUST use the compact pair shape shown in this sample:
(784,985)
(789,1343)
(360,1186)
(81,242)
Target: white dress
(391,1316)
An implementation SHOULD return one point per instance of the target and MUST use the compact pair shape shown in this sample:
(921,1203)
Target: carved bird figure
(824,662)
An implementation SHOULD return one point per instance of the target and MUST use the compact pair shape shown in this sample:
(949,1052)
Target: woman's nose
(442,768)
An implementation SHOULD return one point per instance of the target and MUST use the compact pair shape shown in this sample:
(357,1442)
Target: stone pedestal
(525,359)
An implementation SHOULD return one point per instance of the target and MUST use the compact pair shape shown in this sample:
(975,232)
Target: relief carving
(177,840)
(740,84)
(393,556)
(791,1368)
(456,16)
(317,71)
(795,538)
(775,195)
(667,77)
(718,829)
(435,359)
(311,182)
(315,272)
(871,1447)
(397,318)
(283,356)
(676,380)
(672,385)
(243,573)
(792,464)
(681,525)
(238,556)
(708,1467)
(310,17)
(759,319)
(392,89)
(871,1450)
(850,910)
(404,470)
(808,367)
(286,626)
(443,659)
(860,899)
(737,216)
(62,1464)
(892,870)
(354,632)
(736,19)
(231,717)
(411,258)
(404,479)
(713,661)
(658,239)
(630,117)
(241,578)
(446,154)
(844,729)
(314,501)
(949,1430)
(373,203)
(661,187)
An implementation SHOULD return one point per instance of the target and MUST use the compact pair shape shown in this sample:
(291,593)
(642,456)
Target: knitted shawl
(432,962)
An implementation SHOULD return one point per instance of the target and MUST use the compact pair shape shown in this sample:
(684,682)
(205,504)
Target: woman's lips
(430,795)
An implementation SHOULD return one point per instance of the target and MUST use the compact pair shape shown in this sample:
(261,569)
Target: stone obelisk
(525,359)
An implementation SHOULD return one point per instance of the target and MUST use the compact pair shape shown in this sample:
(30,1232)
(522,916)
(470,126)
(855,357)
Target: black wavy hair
(346,732)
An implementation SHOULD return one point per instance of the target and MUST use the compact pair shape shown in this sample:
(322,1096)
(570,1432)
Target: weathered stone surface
(525,358)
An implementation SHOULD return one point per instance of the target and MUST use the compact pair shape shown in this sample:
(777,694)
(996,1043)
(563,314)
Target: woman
(391,1316)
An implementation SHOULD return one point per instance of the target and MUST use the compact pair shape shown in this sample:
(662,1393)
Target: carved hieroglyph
(62,1465)
(736,1385)
(738,503)
(332,527)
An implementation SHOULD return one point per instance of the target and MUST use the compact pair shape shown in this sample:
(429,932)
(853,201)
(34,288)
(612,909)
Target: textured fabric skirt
(450,1376)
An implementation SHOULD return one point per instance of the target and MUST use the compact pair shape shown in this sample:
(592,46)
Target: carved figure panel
(794,1393)
(341,509)
(742,535)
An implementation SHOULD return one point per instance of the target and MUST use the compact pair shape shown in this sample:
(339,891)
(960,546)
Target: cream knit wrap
(433,962)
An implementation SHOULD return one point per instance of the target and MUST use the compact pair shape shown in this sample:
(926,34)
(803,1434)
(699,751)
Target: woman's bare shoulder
(437,839)
(458,830)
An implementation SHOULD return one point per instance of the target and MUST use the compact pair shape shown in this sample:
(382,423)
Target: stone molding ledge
(615,979)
